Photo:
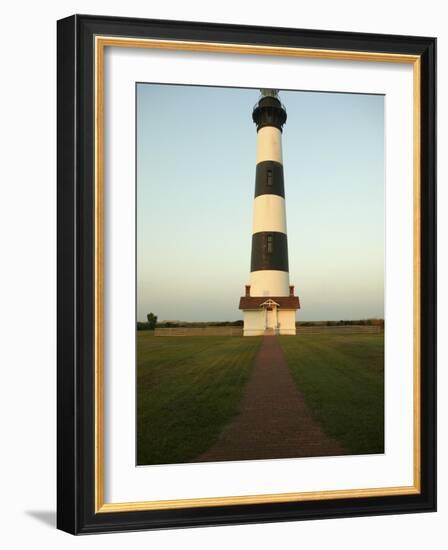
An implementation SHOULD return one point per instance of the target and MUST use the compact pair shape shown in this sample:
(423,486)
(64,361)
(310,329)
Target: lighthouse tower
(269,304)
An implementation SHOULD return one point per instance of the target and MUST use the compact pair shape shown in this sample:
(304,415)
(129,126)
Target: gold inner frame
(101,42)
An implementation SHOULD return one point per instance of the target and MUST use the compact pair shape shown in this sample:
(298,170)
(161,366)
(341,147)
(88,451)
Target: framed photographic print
(246,274)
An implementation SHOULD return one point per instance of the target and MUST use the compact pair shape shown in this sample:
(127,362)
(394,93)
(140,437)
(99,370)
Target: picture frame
(82,41)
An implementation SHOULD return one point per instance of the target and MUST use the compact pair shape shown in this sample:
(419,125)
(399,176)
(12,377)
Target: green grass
(342,380)
(188,389)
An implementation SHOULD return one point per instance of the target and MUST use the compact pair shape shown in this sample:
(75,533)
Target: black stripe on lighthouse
(269,179)
(269,251)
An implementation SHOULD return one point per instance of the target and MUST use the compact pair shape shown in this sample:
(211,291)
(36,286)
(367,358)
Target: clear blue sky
(195,188)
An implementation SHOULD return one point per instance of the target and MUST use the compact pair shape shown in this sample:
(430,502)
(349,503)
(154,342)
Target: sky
(196,158)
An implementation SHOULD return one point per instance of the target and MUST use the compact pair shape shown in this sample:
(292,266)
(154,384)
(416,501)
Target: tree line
(152,323)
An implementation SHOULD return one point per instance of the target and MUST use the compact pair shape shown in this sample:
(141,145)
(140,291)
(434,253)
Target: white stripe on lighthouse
(269,214)
(269,283)
(269,144)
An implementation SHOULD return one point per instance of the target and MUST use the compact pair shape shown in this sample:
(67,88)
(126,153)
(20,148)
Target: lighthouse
(269,304)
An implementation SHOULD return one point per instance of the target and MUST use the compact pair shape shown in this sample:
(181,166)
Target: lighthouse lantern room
(269,304)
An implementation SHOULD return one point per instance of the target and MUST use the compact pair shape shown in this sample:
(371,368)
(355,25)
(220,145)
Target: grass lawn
(188,389)
(342,380)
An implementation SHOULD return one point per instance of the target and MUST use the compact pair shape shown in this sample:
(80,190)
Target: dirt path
(274,421)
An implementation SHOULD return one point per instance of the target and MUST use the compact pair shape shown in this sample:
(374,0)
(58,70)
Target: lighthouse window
(269,244)
(269,176)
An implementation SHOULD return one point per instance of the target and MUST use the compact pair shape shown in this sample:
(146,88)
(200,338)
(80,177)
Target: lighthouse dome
(269,111)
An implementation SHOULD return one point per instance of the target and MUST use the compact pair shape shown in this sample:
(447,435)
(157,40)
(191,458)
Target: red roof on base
(284,302)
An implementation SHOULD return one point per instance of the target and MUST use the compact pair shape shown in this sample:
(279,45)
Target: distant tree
(152,320)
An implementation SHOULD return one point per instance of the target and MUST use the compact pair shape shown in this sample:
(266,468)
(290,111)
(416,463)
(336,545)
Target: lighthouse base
(260,322)
(269,315)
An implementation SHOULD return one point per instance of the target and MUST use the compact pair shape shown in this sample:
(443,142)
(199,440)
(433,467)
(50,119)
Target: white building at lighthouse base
(269,315)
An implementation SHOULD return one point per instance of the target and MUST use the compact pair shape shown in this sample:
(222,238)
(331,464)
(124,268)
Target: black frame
(75,172)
